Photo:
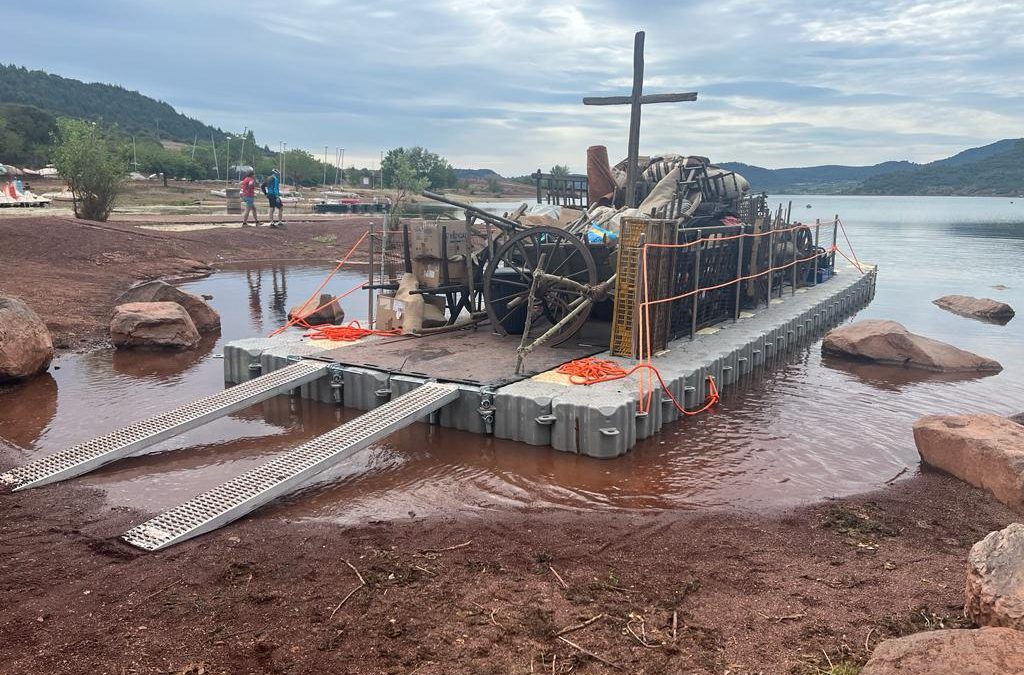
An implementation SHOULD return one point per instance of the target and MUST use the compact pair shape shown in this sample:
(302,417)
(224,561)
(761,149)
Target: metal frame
(282,474)
(129,440)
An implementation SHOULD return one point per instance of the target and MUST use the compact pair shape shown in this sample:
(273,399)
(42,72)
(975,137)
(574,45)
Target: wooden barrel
(234,202)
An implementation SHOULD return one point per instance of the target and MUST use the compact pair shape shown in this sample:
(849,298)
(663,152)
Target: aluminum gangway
(130,440)
(282,474)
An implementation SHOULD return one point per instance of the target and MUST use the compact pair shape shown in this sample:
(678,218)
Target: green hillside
(110,105)
(999,174)
(827,179)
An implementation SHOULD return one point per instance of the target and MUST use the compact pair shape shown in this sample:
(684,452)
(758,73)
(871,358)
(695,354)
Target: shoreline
(70,271)
(470,592)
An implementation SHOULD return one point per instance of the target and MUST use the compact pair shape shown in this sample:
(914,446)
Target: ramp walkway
(129,440)
(254,488)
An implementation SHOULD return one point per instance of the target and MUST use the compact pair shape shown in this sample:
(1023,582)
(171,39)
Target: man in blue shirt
(271,187)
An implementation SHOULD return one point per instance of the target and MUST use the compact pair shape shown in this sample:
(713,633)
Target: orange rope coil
(347,333)
(591,371)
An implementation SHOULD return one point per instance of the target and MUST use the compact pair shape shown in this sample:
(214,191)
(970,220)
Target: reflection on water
(814,427)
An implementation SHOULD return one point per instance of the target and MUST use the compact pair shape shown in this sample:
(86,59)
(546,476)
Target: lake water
(812,428)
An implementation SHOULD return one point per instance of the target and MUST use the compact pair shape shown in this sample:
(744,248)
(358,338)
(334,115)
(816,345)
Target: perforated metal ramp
(254,488)
(86,457)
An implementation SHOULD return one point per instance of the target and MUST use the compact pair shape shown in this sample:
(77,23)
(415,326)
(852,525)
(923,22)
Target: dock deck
(541,406)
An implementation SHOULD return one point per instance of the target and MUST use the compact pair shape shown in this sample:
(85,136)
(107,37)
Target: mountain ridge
(108,104)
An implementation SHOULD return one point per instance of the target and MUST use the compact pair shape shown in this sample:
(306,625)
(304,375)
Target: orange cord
(591,371)
(348,333)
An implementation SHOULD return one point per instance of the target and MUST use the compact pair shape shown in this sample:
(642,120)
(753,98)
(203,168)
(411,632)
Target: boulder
(986,451)
(995,579)
(205,318)
(330,311)
(889,342)
(152,325)
(26,347)
(985,309)
(1018,418)
(985,651)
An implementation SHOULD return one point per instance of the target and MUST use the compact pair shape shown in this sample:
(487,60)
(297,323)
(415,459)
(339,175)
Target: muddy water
(812,428)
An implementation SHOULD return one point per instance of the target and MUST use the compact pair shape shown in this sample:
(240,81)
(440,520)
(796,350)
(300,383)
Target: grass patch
(325,238)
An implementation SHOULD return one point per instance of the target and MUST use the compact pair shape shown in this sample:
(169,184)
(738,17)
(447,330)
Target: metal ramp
(86,457)
(254,488)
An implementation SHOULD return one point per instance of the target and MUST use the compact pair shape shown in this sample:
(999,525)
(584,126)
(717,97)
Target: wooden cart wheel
(509,276)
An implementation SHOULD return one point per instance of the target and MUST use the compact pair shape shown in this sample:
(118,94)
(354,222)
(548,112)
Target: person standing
(271,187)
(248,188)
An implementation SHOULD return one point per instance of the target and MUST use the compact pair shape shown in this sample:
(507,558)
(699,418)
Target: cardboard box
(389,312)
(428,271)
(425,240)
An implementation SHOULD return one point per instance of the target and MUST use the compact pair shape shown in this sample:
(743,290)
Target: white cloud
(498,84)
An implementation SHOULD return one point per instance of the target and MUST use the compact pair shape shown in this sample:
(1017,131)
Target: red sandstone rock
(995,579)
(205,318)
(25,344)
(331,314)
(152,325)
(889,342)
(986,651)
(987,451)
(985,309)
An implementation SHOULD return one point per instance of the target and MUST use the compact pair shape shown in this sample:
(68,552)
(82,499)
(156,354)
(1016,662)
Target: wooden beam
(633,149)
(646,98)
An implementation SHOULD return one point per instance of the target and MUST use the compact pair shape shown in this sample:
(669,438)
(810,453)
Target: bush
(94,172)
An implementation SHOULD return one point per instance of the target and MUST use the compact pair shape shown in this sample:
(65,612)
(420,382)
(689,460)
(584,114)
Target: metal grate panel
(254,488)
(91,455)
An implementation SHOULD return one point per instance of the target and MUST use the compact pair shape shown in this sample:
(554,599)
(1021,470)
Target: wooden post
(636,99)
(633,147)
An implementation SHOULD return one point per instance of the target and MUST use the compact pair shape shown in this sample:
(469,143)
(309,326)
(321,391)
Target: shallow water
(812,428)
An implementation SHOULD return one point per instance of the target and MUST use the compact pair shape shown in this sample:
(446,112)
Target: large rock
(152,325)
(329,312)
(25,344)
(995,579)
(985,309)
(205,318)
(985,651)
(987,451)
(889,342)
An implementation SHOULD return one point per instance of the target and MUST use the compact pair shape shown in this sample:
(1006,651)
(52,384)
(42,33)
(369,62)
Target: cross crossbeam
(637,99)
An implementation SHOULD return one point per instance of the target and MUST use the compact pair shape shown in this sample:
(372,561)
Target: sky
(498,83)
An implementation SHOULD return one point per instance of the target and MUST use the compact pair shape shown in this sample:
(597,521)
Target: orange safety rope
(591,371)
(321,287)
(855,261)
(348,333)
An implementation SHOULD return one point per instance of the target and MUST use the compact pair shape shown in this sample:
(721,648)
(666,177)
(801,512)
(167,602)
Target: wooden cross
(636,99)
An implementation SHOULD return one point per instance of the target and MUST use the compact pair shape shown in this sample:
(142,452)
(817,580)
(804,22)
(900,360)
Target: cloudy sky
(498,83)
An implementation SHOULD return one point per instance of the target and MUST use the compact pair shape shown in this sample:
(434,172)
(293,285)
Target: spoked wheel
(567,267)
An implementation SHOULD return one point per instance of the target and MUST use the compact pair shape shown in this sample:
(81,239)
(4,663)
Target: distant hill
(476,174)
(993,169)
(996,169)
(827,179)
(107,104)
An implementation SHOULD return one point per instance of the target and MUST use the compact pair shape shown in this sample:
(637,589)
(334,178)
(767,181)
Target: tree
(25,135)
(559,171)
(425,164)
(408,183)
(94,171)
(302,168)
(154,158)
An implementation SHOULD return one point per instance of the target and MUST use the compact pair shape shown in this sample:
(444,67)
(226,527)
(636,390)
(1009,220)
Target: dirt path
(70,271)
(480,594)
